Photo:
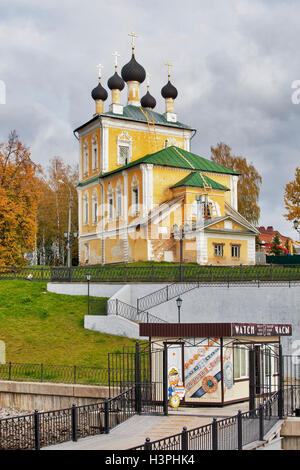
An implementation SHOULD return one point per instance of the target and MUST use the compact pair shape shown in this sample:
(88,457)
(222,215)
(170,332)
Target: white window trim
(119,201)
(135,187)
(110,197)
(124,140)
(237,350)
(86,209)
(95,207)
(95,148)
(85,158)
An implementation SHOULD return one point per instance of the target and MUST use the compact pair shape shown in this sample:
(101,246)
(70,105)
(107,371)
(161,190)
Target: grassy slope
(41,327)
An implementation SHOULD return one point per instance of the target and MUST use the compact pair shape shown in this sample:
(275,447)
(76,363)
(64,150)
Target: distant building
(266,236)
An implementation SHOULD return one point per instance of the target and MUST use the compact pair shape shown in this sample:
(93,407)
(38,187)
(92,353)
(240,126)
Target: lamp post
(69,236)
(179,234)
(88,278)
(179,303)
(296,225)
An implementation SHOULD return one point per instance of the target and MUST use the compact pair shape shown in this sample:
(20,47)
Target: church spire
(133,74)
(169,92)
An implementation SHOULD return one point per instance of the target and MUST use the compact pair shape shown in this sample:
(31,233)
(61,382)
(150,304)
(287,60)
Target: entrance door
(257,370)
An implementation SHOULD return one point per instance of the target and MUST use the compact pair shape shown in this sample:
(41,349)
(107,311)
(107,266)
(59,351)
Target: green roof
(198,180)
(173,157)
(178,158)
(135,113)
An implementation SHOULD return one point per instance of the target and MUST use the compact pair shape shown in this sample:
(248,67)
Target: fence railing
(41,429)
(117,307)
(231,433)
(54,373)
(156,273)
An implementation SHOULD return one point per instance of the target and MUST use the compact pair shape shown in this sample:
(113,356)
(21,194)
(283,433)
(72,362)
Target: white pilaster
(147,172)
(104,148)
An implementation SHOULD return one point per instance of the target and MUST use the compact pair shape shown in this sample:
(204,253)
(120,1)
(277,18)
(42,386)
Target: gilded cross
(148,76)
(133,36)
(169,65)
(99,67)
(116,55)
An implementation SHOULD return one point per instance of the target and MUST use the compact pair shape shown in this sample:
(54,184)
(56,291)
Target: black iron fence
(156,273)
(54,373)
(232,433)
(117,307)
(41,429)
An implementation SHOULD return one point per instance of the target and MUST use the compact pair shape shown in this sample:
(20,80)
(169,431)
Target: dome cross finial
(148,76)
(169,65)
(133,36)
(116,55)
(99,67)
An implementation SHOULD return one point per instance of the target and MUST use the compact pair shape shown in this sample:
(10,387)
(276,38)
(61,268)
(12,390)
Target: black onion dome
(133,71)
(148,101)
(169,91)
(115,82)
(99,93)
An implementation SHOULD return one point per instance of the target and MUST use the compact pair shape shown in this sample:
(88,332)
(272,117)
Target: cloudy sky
(234,65)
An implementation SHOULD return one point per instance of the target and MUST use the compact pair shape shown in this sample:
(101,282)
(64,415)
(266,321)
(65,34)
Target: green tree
(276,242)
(249,181)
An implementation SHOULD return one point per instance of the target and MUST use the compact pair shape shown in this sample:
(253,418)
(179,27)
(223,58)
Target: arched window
(85,158)
(110,202)
(95,152)
(134,196)
(119,200)
(95,207)
(86,208)
(124,148)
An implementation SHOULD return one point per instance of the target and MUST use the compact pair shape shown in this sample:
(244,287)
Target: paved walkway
(134,431)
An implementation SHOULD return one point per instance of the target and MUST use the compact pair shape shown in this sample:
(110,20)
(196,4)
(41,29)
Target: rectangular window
(219,250)
(235,251)
(240,362)
(123,154)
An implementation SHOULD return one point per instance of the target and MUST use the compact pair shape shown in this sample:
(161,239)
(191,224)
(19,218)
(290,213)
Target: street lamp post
(179,234)
(296,225)
(179,303)
(69,236)
(88,278)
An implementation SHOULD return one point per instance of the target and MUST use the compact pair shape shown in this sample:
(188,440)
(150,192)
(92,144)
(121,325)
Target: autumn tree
(19,196)
(249,183)
(292,197)
(58,188)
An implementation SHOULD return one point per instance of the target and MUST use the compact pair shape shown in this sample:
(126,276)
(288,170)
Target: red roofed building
(266,236)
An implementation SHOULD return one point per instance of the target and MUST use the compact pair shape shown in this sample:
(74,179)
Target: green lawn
(42,327)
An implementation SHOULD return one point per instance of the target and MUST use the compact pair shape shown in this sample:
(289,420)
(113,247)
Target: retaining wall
(29,396)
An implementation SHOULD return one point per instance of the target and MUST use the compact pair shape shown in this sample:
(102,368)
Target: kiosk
(212,363)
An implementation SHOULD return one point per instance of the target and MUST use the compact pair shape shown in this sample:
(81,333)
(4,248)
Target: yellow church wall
(226,258)
(143,143)
(91,225)
(89,139)
(163,179)
(137,247)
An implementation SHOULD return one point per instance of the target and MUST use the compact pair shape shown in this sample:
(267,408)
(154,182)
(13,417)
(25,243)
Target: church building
(143,195)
